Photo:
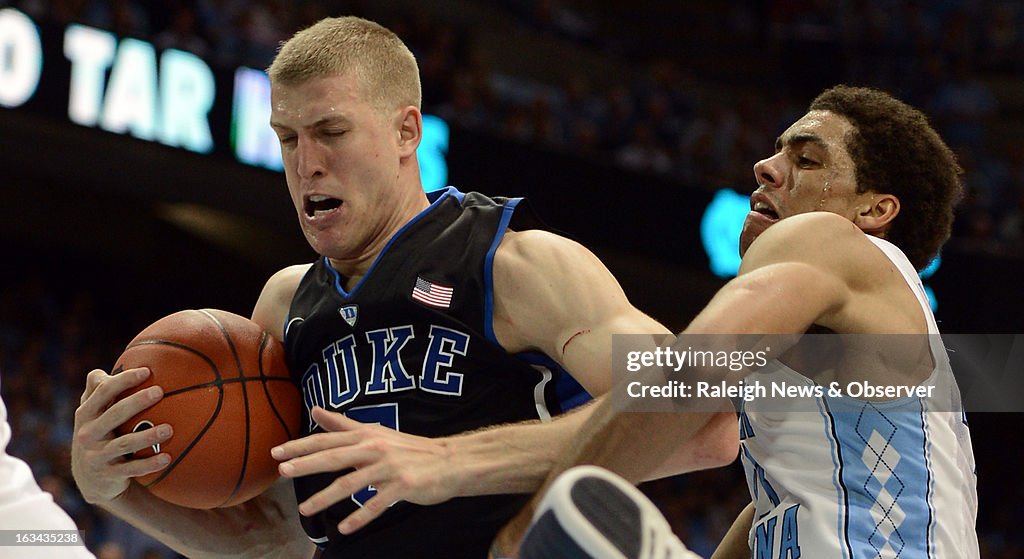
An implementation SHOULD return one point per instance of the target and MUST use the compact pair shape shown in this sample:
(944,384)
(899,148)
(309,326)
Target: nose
(767,172)
(309,159)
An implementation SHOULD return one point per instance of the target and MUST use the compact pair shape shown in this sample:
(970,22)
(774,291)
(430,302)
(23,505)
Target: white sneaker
(591,513)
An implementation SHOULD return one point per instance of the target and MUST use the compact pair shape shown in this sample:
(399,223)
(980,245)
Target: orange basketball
(229,398)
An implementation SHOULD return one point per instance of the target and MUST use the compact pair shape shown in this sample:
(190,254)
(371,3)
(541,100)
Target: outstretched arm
(560,299)
(633,445)
(775,293)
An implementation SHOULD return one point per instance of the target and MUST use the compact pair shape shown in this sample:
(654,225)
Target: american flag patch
(432,294)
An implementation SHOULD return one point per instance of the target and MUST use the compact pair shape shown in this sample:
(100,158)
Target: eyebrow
(330,119)
(797,139)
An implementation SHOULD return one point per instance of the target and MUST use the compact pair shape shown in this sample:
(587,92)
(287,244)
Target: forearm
(266,526)
(735,543)
(714,445)
(633,445)
(513,458)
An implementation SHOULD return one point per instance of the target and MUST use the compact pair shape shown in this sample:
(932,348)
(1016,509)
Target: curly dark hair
(896,151)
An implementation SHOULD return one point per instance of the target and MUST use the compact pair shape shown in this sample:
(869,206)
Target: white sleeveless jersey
(839,477)
(24,506)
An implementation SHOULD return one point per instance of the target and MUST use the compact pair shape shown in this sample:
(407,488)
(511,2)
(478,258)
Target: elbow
(714,446)
(720,442)
(723,451)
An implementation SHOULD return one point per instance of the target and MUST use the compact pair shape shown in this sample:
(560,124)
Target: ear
(877,213)
(409,124)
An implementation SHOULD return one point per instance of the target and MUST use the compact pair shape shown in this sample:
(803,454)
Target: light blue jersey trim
(842,505)
(437,197)
(888,477)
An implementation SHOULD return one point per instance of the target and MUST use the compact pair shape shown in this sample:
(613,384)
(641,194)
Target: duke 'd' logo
(350,313)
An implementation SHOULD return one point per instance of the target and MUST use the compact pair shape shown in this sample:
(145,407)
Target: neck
(355,267)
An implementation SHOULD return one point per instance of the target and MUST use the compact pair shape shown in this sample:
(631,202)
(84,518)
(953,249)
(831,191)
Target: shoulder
(823,258)
(532,245)
(821,241)
(543,259)
(272,307)
(553,295)
(545,285)
(284,282)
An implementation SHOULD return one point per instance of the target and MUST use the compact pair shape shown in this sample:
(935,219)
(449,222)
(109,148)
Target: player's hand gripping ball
(229,398)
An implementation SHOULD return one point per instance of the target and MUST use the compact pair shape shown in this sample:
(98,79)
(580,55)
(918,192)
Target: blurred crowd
(50,338)
(668,115)
(952,58)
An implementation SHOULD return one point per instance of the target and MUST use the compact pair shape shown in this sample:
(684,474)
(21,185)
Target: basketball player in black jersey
(426,340)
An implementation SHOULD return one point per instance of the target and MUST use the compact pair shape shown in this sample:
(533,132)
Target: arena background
(619,122)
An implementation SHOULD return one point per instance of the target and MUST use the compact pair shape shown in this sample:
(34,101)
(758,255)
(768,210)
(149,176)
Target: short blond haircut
(386,68)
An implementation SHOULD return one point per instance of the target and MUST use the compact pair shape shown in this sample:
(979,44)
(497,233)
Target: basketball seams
(222,383)
(245,404)
(218,382)
(195,440)
(227,339)
(266,391)
(218,379)
(159,345)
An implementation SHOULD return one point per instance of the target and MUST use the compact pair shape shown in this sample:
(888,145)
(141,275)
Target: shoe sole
(590,513)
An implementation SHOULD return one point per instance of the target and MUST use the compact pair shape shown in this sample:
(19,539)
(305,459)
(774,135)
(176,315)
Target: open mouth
(320,204)
(765,210)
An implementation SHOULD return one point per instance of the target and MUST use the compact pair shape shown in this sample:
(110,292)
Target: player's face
(810,171)
(341,162)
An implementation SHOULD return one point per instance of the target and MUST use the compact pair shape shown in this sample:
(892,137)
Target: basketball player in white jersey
(858,196)
(29,513)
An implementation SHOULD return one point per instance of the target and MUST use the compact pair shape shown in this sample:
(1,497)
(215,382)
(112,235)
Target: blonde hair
(386,68)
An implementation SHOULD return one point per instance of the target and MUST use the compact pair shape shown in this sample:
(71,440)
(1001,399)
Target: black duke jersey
(412,347)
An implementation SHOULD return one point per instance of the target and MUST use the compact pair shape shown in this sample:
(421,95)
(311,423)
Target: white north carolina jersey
(24,506)
(839,477)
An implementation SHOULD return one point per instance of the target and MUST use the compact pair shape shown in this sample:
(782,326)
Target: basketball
(228,397)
